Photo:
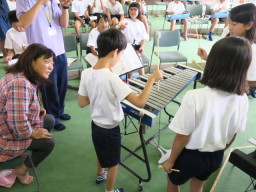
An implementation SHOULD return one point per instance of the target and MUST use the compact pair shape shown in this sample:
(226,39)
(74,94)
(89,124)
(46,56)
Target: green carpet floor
(72,165)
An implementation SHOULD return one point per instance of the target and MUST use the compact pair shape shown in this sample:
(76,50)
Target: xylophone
(177,16)
(176,79)
(221,14)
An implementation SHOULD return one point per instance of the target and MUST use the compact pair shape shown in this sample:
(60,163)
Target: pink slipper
(7,178)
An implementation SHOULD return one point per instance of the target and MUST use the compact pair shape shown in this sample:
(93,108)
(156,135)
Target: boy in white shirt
(80,9)
(16,40)
(176,7)
(103,91)
(218,6)
(115,13)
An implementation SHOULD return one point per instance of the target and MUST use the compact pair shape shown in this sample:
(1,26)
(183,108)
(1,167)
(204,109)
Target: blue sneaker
(210,36)
(119,190)
(101,178)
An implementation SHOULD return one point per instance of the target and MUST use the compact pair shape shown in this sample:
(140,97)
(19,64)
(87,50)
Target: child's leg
(2,48)
(185,23)
(100,170)
(111,180)
(226,21)
(196,185)
(173,22)
(77,27)
(144,20)
(171,187)
(114,22)
(215,21)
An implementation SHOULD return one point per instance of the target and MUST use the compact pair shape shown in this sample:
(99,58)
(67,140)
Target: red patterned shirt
(19,114)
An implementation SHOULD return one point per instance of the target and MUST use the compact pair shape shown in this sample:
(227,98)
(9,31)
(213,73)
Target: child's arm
(93,50)
(83,101)
(9,56)
(121,18)
(202,53)
(179,144)
(142,45)
(108,14)
(141,100)
(86,13)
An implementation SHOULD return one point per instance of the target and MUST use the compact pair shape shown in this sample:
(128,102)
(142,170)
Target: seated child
(134,31)
(103,91)
(175,7)
(81,15)
(219,5)
(209,118)
(102,25)
(115,12)
(16,40)
(96,7)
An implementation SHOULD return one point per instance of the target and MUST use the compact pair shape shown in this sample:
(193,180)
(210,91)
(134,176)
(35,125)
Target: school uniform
(15,40)
(105,94)
(218,5)
(115,10)
(97,9)
(135,31)
(92,39)
(80,7)
(210,118)
(175,7)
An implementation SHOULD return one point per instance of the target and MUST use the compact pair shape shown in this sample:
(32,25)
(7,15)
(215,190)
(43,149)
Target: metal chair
(12,163)
(195,11)
(168,39)
(74,63)
(83,47)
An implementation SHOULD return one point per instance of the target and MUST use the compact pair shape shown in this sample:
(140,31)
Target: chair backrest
(125,8)
(208,9)
(83,42)
(167,38)
(195,9)
(70,43)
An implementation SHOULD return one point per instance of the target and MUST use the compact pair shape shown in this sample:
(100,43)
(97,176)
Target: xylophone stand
(165,153)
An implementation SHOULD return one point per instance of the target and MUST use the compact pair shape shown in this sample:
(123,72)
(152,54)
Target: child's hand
(202,53)
(124,25)
(7,59)
(168,166)
(157,75)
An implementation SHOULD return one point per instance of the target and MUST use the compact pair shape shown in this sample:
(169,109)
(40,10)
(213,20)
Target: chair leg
(34,170)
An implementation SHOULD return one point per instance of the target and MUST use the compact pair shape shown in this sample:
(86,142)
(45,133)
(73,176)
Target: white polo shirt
(211,118)
(105,91)
(79,7)
(116,9)
(15,40)
(218,5)
(175,7)
(93,36)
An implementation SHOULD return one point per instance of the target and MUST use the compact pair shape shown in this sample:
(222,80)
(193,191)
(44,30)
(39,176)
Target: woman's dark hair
(110,40)
(24,63)
(227,65)
(245,14)
(12,18)
(137,5)
(102,15)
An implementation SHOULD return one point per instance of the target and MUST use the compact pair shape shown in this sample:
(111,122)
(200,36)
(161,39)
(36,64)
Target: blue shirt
(4,9)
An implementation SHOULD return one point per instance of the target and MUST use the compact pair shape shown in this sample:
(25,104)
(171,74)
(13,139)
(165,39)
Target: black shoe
(65,117)
(59,127)
(253,91)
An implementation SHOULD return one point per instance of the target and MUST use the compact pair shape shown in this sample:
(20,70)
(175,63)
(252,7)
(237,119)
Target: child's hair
(102,15)
(137,5)
(245,14)
(12,18)
(227,65)
(110,40)
(24,63)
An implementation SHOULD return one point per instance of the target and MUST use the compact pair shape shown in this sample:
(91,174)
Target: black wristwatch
(65,7)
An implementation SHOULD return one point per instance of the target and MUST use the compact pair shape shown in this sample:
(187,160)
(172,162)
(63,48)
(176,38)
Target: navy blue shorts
(86,20)
(195,164)
(4,27)
(107,144)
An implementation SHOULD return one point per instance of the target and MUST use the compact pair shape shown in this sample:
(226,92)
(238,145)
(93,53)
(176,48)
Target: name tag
(52,31)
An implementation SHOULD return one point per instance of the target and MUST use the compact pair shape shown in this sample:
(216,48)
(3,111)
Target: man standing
(43,20)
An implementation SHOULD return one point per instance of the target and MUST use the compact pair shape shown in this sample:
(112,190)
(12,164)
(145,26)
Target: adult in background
(4,24)
(43,20)
(23,124)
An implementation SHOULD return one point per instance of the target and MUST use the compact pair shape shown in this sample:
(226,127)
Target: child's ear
(249,26)
(115,52)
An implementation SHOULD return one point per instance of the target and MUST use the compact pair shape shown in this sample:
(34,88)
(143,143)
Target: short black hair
(227,65)
(137,5)
(25,60)
(110,40)
(102,15)
(245,14)
(12,18)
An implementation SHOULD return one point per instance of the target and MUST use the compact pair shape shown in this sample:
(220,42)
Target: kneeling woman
(23,124)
